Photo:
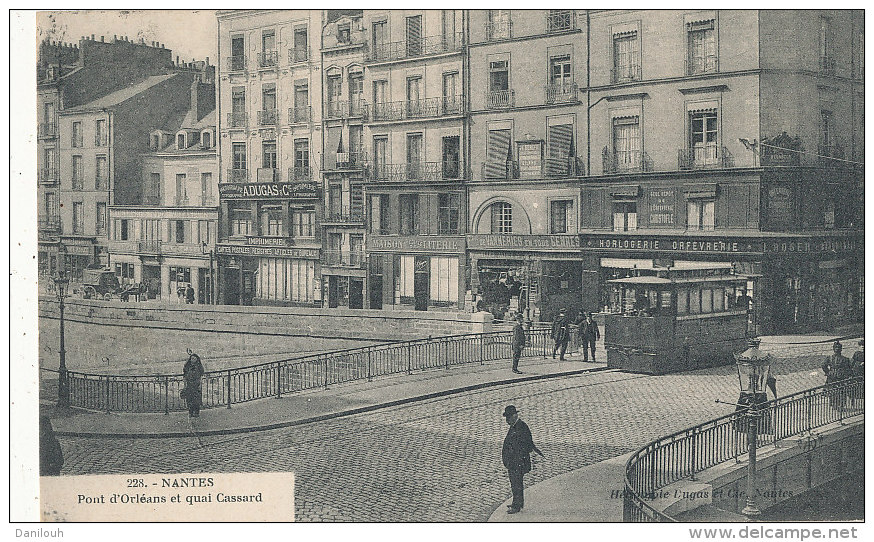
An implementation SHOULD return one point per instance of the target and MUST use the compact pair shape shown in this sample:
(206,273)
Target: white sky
(189,34)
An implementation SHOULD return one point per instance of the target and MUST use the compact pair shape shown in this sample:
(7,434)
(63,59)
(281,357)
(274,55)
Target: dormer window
(180,142)
(344,33)
(205,140)
(155,142)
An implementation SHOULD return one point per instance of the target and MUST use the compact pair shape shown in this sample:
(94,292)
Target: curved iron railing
(161,393)
(690,451)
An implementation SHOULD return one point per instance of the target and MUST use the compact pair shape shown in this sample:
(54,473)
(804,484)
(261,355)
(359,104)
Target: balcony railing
(399,50)
(500,99)
(705,157)
(267,175)
(238,119)
(344,215)
(499,30)
(268,117)
(47,129)
(624,74)
(48,174)
(625,161)
(298,55)
(101,183)
(418,109)
(237,175)
(561,93)
(300,115)
(101,140)
(342,109)
(560,20)
(414,171)
(50,223)
(300,173)
(345,258)
(149,246)
(549,168)
(826,65)
(830,155)
(236,63)
(351,160)
(267,59)
(699,65)
(183,202)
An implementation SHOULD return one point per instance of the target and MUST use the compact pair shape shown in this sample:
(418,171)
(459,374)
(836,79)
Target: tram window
(729,298)
(682,301)
(665,302)
(706,300)
(694,300)
(718,300)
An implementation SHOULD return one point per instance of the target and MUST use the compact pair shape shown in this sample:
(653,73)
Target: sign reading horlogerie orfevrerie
(301,190)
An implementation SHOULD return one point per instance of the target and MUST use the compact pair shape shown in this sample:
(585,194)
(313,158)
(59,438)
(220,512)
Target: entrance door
(420,283)
(232,286)
(356,293)
(333,293)
(152,280)
(248,293)
(202,285)
(375,263)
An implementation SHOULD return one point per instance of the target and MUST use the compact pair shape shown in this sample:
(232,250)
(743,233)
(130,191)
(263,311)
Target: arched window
(502,217)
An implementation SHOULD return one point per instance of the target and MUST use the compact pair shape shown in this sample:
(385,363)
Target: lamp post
(753,370)
(210,298)
(61,281)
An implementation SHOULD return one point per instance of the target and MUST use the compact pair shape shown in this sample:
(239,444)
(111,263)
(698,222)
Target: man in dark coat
(836,368)
(518,342)
(588,335)
(859,360)
(560,334)
(51,457)
(516,455)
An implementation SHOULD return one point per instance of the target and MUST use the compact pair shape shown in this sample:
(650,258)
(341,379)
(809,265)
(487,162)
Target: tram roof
(687,280)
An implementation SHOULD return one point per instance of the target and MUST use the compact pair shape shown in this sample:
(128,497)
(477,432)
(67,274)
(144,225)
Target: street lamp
(753,371)
(204,248)
(61,281)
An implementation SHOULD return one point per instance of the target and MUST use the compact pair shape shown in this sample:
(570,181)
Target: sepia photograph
(448,265)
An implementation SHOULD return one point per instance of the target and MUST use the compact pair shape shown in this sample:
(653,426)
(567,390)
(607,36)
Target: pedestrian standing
(516,455)
(189,294)
(589,334)
(859,360)
(192,392)
(51,457)
(560,334)
(836,368)
(518,343)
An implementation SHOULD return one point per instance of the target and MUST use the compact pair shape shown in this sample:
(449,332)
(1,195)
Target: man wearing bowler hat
(516,455)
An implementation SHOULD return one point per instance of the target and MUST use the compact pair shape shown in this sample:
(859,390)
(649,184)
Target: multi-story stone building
(70,75)
(166,240)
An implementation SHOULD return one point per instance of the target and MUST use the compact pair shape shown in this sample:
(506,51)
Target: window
(268,46)
(302,222)
(50,162)
(356,93)
(451,103)
(238,107)
(414,35)
(829,215)
(502,217)
(204,232)
(450,38)
(701,38)
(238,53)
(559,20)
(414,156)
(498,155)
(268,154)
(560,216)
(286,280)
(406,276)
(271,220)
(380,39)
(335,89)
(451,157)
(205,140)
(101,180)
(78,218)
(241,221)
(150,229)
(206,189)
(499,24)
(826,40)
(301,45)
(701,214)
(447,213)
(624,215)
(380,89)
(408,214)
(181,189)
(379,214)
(77,134)
(356,249)
(344,33)
(626,144)
(860,56)
(239,156)
(101,138)
(414,96)
(380,145)
(180,142)
(177,229)
(826,131)
(703,133)
(444,279)
(302,158)
(100,225)
(335,200)
(78,174)
(560,150)
(125,271)
(53,208)
(122,229)
(499,75)
(626,57)
(268,104)
(152,190)
(560,74)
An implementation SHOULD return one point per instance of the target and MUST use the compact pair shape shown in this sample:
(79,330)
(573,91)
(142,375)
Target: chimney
(92,37)
(114,37)
(101,39)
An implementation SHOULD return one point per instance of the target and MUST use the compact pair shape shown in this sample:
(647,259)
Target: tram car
(677,319)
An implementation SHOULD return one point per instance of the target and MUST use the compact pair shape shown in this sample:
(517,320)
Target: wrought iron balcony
(344,215)
(704,157)
(413,48)
(237,175)
(267,175)
(562,93)
(342,109)
(351,160)
(500,171)
(499,30)
(267,59)
(699,65)
(826,65)
(560,20)
(345,258)
(625,161)
(101,140)
(549,168)
(182,202)
(149,246)
(49,174)
(300,173)
(238,119)
(413,171)
(500,99)
(268,117)
(300,115)
(50,223)
(624,74)
(236,63)
(298,55)
(47,130)
(418,109)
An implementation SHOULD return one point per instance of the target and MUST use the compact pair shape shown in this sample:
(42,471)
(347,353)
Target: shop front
(254,274)
(420,273)
(536,274)
(79,253)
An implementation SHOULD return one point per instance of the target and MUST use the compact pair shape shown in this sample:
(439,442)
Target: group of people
(561,335)
(838,367)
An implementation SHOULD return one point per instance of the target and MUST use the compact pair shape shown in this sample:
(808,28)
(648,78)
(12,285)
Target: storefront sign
(302,190)
(781,246)
(414,244)
(522,242)
(267,241)
(241,250)
(780,205)
(717,245)
(662,203)
(530,160)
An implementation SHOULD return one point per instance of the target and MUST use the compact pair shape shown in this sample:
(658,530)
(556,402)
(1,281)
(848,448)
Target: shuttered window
(560,141)
(414,35)
(498,154)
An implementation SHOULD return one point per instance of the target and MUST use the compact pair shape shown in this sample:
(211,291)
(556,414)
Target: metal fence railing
(160,393)
(687,452)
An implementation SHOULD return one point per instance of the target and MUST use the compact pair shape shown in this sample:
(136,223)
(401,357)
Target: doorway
(152,281)
(420,282)
(356,293)
(232,286)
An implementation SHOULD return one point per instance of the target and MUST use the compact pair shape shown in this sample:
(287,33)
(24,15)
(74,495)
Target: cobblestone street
(439,460)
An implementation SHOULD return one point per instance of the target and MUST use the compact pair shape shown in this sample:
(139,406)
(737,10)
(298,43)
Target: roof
(688,280)
(191,123)
(121,96)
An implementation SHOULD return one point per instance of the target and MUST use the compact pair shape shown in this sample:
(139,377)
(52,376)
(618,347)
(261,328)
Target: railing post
(278,380)
(326,372)
(107,395)
(482,347)
(445,356)
(409,349)
(369,377)
(166,395)
(228,386)
(694,453)
(843,399)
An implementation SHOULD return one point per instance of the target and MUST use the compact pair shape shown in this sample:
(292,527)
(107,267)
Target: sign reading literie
(250,496)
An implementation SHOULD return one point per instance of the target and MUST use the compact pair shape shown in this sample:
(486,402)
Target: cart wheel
(107,297)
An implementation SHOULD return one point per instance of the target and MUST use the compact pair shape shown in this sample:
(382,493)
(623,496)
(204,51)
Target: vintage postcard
(598,266)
